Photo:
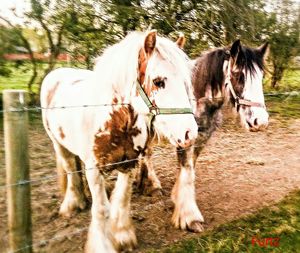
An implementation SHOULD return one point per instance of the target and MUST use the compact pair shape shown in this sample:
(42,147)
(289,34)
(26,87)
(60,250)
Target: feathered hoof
(188,220)
(72,205)
(155,192)
(125,240)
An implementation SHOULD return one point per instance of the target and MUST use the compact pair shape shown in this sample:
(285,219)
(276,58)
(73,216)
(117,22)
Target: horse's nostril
(187,137)
(255,122)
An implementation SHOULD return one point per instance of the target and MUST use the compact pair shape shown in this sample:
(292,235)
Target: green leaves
(83,28)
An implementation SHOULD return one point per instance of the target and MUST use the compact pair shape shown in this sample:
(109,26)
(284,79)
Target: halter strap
(237,99)
(155,110)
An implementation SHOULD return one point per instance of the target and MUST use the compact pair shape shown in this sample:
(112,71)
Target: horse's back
(62,81)
(65,95)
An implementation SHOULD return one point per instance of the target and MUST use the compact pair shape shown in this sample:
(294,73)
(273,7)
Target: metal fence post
(17,170)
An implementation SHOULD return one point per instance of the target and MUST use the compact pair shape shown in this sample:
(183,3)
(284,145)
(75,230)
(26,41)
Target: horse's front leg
(147,180)
(186,214)
(99,239)
(121,223)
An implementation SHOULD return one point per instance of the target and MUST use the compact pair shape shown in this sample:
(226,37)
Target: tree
(88,31)
(284,31)
(52,18)
(14,36)
(5,47)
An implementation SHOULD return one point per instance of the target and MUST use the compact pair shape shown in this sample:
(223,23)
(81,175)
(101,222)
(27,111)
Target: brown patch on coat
(51,93)
(61,133)
(115,100)
(147,84)
(115,143)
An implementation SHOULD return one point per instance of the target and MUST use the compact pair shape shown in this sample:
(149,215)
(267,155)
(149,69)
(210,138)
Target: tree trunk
(277,75)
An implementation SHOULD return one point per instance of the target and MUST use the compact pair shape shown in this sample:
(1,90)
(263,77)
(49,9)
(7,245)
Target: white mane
(170,51)
(118,65)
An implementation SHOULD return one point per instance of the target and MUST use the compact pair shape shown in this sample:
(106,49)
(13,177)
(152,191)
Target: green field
(21,74)
(289,82)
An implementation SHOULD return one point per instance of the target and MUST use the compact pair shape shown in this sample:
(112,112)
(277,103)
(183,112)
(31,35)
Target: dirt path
(237,173)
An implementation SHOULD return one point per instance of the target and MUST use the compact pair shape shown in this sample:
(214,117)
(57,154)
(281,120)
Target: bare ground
(237,173)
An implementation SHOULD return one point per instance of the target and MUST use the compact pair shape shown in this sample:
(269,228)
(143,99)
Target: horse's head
(165,77)
(244,76)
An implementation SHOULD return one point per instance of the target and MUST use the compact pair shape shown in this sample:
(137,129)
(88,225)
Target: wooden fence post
(17,171)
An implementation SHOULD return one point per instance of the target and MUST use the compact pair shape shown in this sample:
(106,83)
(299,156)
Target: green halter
(154,110)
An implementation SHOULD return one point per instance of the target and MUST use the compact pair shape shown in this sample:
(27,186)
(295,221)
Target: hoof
(195,226)
(190,220)
(68,207)
(155,192)
(125,240)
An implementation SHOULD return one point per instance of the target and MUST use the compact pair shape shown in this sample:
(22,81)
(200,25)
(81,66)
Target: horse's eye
(159,83)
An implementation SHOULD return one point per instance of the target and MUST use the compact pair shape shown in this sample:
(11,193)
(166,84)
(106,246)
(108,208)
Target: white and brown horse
(232,74)
(103,135)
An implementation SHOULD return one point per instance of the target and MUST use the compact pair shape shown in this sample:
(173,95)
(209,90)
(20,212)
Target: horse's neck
(209,105)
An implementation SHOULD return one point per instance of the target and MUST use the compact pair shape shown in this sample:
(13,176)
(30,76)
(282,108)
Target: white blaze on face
(256,117)
(180,129)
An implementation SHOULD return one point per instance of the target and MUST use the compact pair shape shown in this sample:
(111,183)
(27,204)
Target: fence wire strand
(40,108)
(52,177)
(47,178)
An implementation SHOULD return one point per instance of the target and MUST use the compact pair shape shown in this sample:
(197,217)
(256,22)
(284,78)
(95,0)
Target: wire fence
(41,108)
(53,177)
(47,178)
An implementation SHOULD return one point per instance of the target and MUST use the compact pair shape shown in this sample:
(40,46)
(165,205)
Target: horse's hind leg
(121,224)
(186,214)
(67,168)
(147,180)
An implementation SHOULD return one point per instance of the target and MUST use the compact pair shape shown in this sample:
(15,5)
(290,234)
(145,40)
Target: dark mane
(208,69)
(208,72)
(248,57)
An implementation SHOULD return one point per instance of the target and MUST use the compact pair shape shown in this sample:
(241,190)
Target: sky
(6,5)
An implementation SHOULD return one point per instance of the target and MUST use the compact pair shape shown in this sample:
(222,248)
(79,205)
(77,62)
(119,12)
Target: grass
(280,221)
(21,74)
(289,82)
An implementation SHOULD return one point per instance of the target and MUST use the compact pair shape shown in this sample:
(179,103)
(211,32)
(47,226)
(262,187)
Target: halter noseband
(154,110)
(238,101)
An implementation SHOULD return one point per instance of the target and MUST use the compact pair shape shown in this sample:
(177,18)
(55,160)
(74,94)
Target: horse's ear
(263,49)
(150,42)
(235,48)
(181,41)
